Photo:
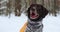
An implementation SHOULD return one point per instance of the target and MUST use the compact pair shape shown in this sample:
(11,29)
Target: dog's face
(36,12)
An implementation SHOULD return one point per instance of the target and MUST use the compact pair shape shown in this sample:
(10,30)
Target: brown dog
(36,13)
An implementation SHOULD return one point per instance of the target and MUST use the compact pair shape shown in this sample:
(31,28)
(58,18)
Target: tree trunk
(17,7)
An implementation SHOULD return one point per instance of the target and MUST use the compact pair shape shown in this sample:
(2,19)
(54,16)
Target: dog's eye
(39,10)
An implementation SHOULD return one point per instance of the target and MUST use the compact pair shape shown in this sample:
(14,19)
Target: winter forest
(8,7)
(13,14)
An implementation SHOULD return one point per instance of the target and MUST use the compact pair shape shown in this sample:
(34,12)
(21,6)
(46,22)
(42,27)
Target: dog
(35,14)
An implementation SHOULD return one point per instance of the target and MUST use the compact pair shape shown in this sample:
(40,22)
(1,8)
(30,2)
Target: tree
(3,7)
(17,7)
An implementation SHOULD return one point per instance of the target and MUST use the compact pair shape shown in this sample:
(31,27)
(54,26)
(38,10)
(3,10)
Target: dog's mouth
(34,15)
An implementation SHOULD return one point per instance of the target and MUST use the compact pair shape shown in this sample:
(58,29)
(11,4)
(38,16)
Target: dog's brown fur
(42,12)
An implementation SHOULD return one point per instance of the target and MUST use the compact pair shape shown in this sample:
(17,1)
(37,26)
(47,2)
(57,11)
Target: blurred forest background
(8,7)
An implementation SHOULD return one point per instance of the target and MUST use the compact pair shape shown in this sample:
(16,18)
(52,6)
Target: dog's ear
(28,11)
(45,11)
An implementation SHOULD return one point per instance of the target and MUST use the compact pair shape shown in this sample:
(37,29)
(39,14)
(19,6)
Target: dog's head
(36,12)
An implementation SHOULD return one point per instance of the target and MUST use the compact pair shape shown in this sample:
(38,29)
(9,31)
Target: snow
(14,23)
(51,24)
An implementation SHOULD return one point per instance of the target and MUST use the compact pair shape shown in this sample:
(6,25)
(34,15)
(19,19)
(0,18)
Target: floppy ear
(45,11)
(28,11)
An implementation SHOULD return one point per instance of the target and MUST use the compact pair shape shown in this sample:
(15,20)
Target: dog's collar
(35,27)
(32,24)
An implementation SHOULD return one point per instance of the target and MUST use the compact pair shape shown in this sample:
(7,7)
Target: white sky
(13,24)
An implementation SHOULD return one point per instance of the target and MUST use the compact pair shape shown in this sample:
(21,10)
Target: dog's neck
(34,25)
(36,22)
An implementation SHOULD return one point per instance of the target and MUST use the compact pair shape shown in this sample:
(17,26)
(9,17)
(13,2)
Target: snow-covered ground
(14,23)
